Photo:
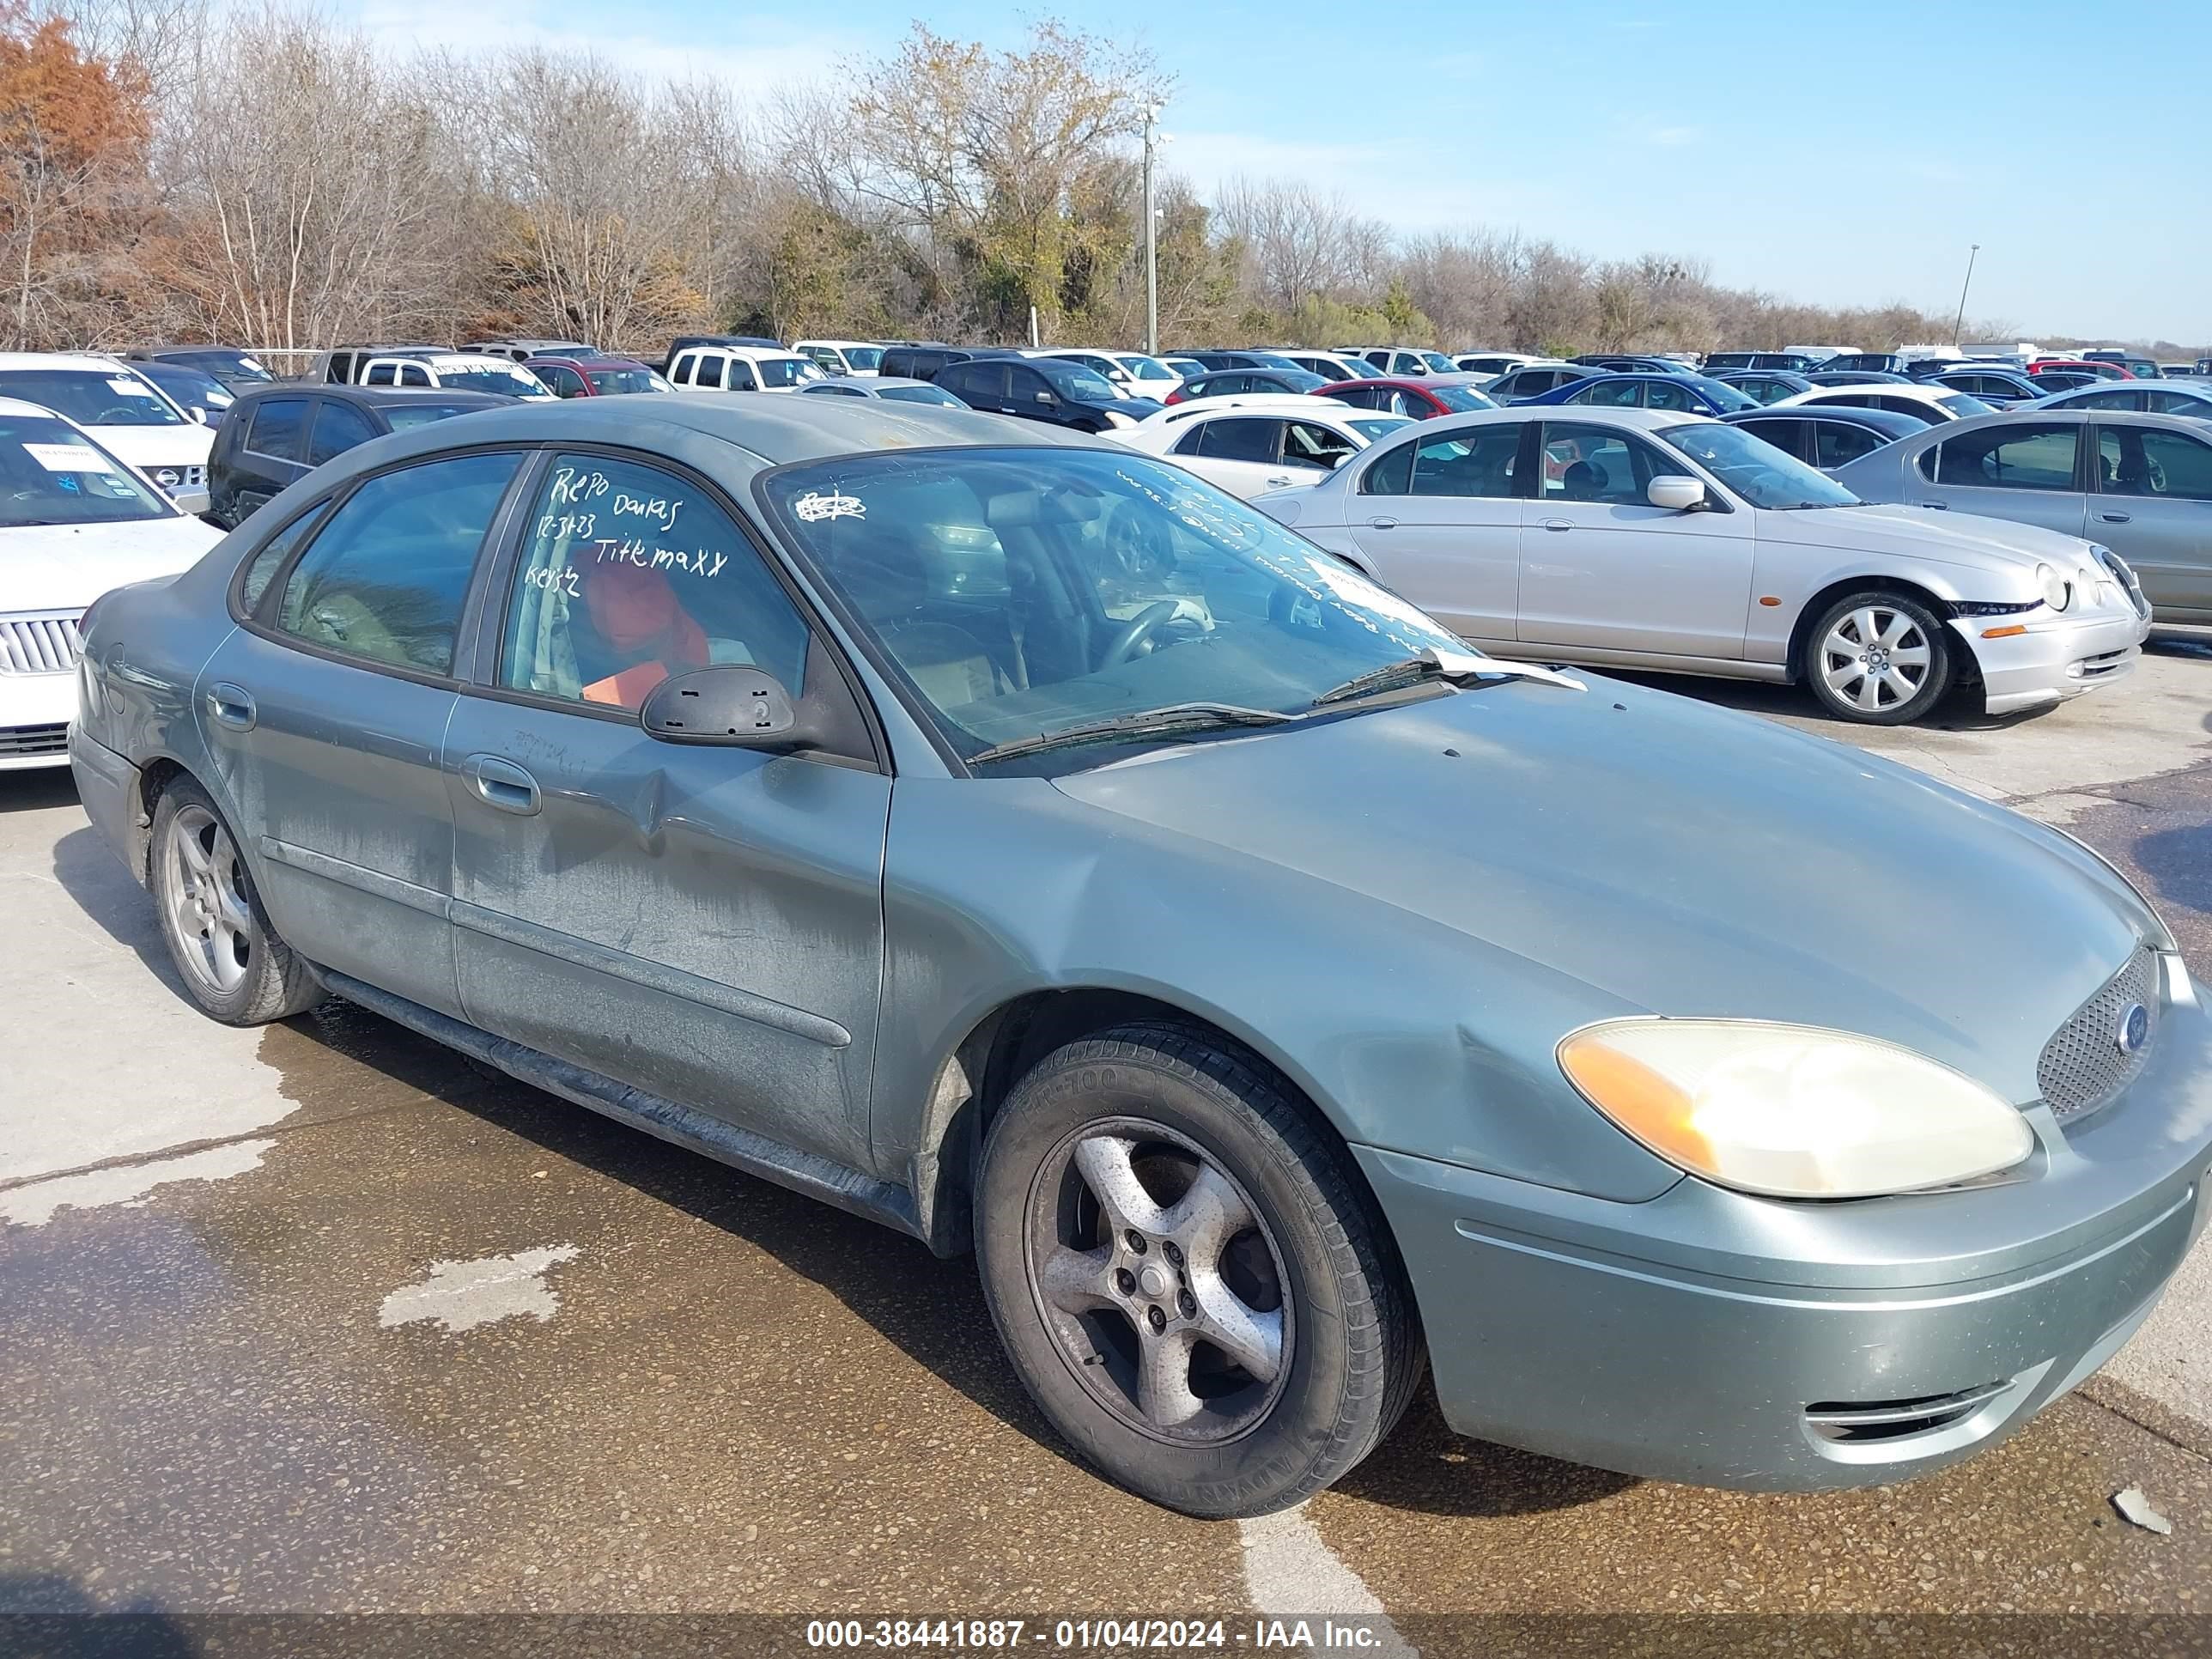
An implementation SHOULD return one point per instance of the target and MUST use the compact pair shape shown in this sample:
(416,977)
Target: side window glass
(1475,462)
(280,428)
(1187,444)
(741,376)
(630,575)
(2025,457)
(1307,444)
(381,374)
(706,371)
(272,555)
(680,372)
(1835,443)
(2134,461)
(1391,475)
(1659,396)
(1241,441)
(1405,403)
(339,428)
(414,374)
(1931,459)
(1598,464)
(383,579)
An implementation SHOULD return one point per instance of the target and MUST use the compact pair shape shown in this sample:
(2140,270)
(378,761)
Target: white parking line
(1289,1572)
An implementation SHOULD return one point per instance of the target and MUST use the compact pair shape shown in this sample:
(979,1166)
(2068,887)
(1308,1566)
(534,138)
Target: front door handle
(1279,482)
(1559,523)
(502,784)
(2114,517)
(1382,523)
(1937,506)
(231,706)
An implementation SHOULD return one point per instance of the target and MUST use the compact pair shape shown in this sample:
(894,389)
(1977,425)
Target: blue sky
(1838,151)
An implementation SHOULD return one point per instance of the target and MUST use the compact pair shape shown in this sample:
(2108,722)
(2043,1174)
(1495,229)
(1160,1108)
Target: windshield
(400,417)
(1381,427)
(49,474)
(921,394)
(91,397)
(1144,367)
(1463,398)
(1438,362)
(1754,469)
(864,359)
(1071,379)
(509,382)
(788,371)
(236,364)
(1022,591)
(1963,406)
(612,382)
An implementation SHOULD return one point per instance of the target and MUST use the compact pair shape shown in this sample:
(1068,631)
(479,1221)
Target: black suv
(1042,389)
(235,367)
(921,360)
(282,433)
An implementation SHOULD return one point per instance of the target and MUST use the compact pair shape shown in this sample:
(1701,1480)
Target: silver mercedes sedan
(2139,484)
(1013,840)
(1643,538)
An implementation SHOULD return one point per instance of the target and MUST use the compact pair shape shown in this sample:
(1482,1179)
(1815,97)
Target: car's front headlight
(1116,417)
(2058,592)
(1793,1111)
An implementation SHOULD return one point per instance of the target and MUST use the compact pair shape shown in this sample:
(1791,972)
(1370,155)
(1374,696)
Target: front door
(2153,508)
(2028,471)
(1242,453)
(702,923)
(326,716)
(1441,523)
(1601,567)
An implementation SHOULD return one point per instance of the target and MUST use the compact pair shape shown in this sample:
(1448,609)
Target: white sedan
(1250,443)
(73,522)
(136,420)
(1641,538)
(1932,404)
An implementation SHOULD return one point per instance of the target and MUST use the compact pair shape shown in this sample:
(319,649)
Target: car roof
(868,386)
(1646,420)
(376,396)
(595,360)
(1895,422)
(85,360)
(1285,403)
(1918,392)
(715,428)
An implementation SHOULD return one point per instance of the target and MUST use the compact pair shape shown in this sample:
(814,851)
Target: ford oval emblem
(2132,1030)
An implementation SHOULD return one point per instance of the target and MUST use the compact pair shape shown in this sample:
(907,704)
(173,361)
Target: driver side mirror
(198,414)
(729,704)
(1047,399)
(1675,493)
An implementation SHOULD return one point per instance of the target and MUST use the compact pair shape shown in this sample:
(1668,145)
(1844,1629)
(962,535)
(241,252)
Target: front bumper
(35,712)
(1711,1337)
(2057,658)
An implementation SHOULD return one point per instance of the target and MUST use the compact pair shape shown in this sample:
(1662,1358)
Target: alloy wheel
(1159,1282)
(205,895)
(1875,658)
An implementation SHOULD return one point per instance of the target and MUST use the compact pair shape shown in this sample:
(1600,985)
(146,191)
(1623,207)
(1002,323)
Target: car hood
(149,447)
(67,567)
(1920,533)
(1678,859)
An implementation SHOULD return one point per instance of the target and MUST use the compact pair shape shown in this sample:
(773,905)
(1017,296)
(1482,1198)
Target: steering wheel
(1138,632)
(121,415)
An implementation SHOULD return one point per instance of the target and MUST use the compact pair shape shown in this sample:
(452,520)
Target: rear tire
(1190,1280)
(233,961)
(1878,657)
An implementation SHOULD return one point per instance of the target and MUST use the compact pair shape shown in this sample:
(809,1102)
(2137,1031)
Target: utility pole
(1961,322)
(1151,239)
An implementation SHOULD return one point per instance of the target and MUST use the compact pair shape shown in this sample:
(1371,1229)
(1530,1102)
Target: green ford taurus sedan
(1013,840)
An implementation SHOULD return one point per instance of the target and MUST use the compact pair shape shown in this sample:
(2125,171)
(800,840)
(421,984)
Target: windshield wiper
(1150,723)
(1433,664)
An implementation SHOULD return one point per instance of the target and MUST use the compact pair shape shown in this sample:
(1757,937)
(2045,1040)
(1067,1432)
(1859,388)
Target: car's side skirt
(1657,662)
(677,1124)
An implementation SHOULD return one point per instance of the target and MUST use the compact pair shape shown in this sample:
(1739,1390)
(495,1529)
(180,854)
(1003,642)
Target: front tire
(233,962)
(1877,657)
(1190,1280)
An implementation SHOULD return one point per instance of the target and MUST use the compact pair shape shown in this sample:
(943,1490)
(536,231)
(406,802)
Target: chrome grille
(39,645)
(2083,1065)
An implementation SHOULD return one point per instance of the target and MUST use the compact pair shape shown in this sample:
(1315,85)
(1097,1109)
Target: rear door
(271,454)
(1786,434)
(1441,523)
(2029,472)
(325,714)
(1601,567)
(2154,507)
(702,923)
(1240,453)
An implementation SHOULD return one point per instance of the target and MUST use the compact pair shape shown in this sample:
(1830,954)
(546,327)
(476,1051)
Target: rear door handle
(231,706)
(502,784)
(1278,482)
(2114,517)
(1559,523)
(1382,523)
(1937,506)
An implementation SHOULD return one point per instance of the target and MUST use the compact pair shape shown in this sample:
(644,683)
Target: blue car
(1693,394)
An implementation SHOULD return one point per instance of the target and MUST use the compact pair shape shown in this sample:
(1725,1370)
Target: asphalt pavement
(317,1318)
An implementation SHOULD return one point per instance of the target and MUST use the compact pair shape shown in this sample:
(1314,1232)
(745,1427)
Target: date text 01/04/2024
(987,1636)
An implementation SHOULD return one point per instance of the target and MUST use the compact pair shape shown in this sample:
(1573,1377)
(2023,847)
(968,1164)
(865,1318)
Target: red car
(595,377)
(1423,399)
(2080,365)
